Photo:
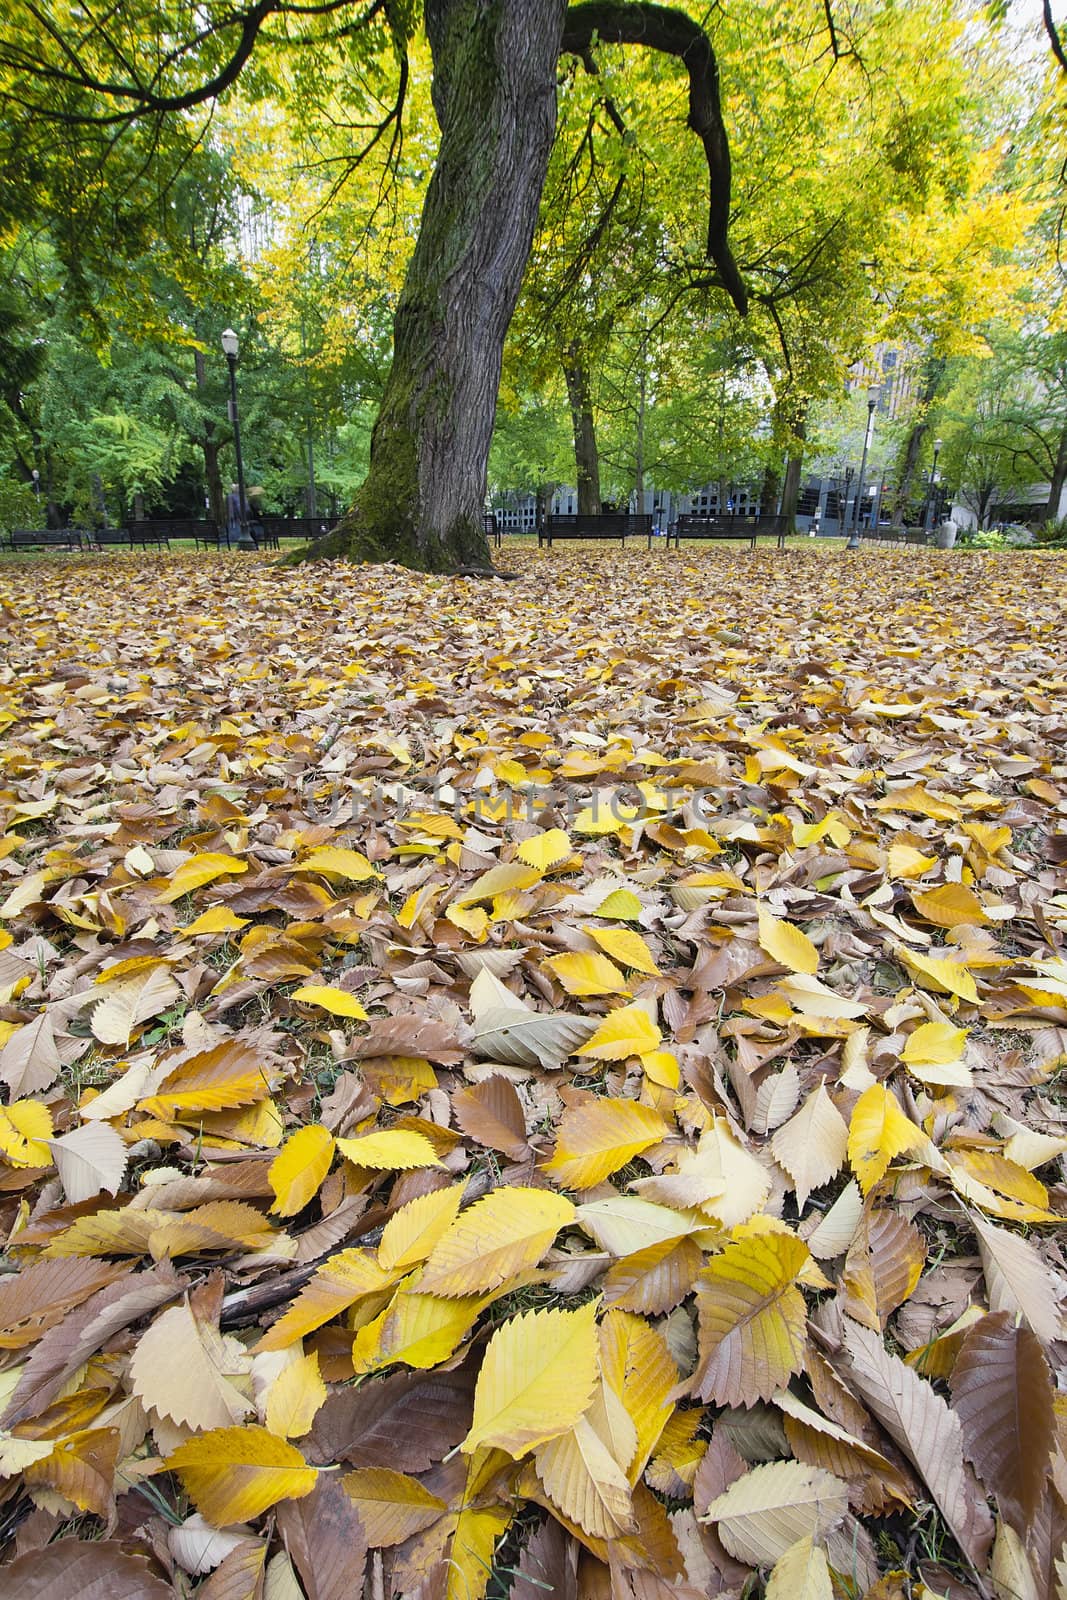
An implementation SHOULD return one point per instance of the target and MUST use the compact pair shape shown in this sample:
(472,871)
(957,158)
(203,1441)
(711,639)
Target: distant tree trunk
(1059,478)
(793,465)
(768,495)
(583,427)
(935,370)
(494,92)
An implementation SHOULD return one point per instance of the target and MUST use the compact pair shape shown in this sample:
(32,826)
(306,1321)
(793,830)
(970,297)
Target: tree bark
(794,463)
(912,450)
(1059,478)
(583,426)
(494,92)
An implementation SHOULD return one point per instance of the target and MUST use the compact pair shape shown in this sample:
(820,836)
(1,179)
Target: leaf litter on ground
(554,1089)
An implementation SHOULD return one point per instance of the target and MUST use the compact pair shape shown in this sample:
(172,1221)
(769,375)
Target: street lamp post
(872,401)
(931,498)
(229,350)
(36,476)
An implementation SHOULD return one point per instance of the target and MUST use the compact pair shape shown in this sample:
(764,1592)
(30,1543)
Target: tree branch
(674,33)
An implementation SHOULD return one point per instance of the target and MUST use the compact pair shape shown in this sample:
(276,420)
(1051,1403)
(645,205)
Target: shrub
(18,506)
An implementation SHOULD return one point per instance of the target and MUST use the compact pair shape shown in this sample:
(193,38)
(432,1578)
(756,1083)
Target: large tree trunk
(793,465)
(934,372)
(494,92)
(1059,478)
(583,427)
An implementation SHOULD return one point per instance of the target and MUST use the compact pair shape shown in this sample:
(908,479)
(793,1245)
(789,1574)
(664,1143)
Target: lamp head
(937,446)
(229,344)
(873,396)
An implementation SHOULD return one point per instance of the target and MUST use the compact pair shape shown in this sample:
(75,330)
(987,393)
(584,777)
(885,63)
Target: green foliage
(18,506)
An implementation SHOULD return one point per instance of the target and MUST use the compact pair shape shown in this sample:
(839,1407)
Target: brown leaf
(325,1540)
(39,1296)
(918,1420)
(884,1263)
(491,1113)
(548,1567)
(64,1348)
(29,1061)
(408,1035)
(238,1576)
(104,1570)
(1002,1393)
(407,1422)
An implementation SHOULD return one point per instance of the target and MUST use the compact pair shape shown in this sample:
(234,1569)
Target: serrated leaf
(411,1233)
(392,1506)
(812,1145)
(801,1573)
(338,1002)
(90,1160)
(598,1137)
(495,1239)
(752,1320)
(524,1038)
(1017,1279)
(334,862)
(949,905)
(883,1266)
(1002,1393)
(228,1075)
(416,1330)
(235,1474)
(200,869)
(390,1150)
(921,1424)
(536,1379)
(768,1510)
(347,1277)
(299,1168)
(132,1003)
(294,1398)
(934,1044)
(182,1368)
(626,947)
(491,1113)
(621,903)
(878,1131)
(545,850)
(25,1132)
(626,1031)
(582,1477)
(786,944)
(587,973)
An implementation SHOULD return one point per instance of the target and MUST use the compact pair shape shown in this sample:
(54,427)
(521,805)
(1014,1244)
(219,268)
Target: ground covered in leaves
(549,1088)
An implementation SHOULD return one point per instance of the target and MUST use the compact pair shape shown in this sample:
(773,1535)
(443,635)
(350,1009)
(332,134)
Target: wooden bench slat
(621,525)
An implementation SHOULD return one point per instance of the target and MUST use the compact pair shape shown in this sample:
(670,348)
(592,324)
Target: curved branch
(674,33)
(1053,34)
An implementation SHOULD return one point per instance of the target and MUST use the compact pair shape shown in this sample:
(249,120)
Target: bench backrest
(611,523)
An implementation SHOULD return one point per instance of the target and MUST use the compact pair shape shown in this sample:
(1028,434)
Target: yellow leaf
(636,1365)
(494,1240)
(498,880)
(25,1126)
(752,1320)
(299,1168)
(907,862)
(620,903)
(626,1031)
(470,1557)
(389,1151)
(786,944)
(802,1573)
(934,1044)
(348,1277)
(473,920)
(536,1379)
(294,1398)
(392,1506)
(333,862)
(545,850)
(198,870)
(599,1136)
(625,946)
(338,1002)
(416,1330)
(661,1067)
(411,1233)
(949,905)
(235,1474)
(582,1477)
(219,919)
(879,1130)
(587,973)
(951,977)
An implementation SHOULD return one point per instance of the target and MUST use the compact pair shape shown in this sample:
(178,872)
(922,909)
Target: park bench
(126,538)
(46,539)
(621,525)
(689,526)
